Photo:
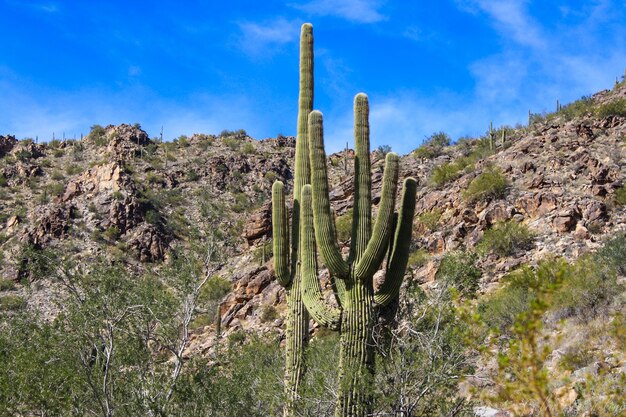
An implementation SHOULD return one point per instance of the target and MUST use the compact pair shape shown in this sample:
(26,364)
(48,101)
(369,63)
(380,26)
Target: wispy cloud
(45,7)
(261,38)
(539,63)
(511,18)
(359,11)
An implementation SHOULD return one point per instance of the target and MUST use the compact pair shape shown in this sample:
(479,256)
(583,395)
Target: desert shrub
(612,108)
(232,143)
(382,151)
(6,284)
(505,238)
(270,176)
(588,287)
(433,145)
(459,270)
(182,141)
(490,185)
(192,175)
(57,175)
(11,302)
(155,178)
(56,188)
(268,313)
(98,135)
(444,174)
(343,226)
(264,252)
(500,309)
(578,108)
(418,258)
(430,219)
(242,202)
(112,233)
(73,169)
(620,196)
(248,148)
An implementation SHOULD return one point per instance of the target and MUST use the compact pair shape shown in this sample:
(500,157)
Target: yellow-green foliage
(459,270)
(612,108)
(430,219)
(343,226)
(418,258)
(490,185)
(445,173)
(11,302)
(505,238)
(620,196)
(433,146)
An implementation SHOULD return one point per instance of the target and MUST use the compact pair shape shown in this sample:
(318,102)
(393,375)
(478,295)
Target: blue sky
(213,65)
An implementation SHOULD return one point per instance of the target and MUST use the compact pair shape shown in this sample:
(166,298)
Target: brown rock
(52,222)
(260,224)
(6,144)
(149,242)
(594,210)
(566,220)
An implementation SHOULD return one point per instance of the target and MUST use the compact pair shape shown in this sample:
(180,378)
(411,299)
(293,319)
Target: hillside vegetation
(137,275)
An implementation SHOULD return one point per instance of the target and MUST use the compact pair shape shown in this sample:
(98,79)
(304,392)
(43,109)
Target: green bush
(433,145)
(232,143)
(214,289)
(73,169)
(112,233)
(343,226)
(612,108)
(459,270)
(268,313)
(6,284)
(505,238)
(620,196)
(589,286)
(444,174)
(430,219)
(11,303)
(500,309)
(248,148)
(98,135)
(418,258)
(490,185)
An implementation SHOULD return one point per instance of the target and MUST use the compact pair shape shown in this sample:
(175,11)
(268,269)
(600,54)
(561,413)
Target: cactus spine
(287,257)
(353,277)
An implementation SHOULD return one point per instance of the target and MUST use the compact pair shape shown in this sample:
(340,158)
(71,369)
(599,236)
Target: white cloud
(512,20)
(261,38)
(359,11)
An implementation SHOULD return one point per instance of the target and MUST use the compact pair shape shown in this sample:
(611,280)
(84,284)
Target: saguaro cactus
(286,256)
(353,277)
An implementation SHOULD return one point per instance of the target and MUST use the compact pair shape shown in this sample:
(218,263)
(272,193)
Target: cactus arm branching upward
(362,218)
(377,245)
(280,224)
(399,256)
(320,311)
(321,202)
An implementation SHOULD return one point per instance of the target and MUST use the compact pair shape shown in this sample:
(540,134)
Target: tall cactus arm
(312,296)
(377,246)
(321,202)
(396,266)
(305,105)
(280,233)
(362,219)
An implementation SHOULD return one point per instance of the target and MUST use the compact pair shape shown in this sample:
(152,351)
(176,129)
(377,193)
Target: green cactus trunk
(353,278)
(356,357)
(287,257)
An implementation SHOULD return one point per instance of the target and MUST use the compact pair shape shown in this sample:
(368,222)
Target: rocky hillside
(135,201)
